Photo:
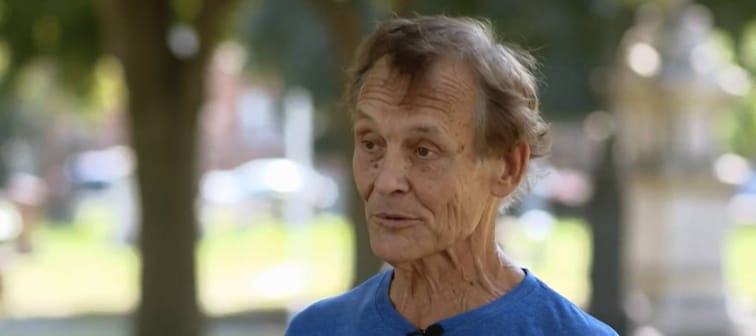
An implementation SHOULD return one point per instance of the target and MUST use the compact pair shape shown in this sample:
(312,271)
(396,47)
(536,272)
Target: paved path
(251,324)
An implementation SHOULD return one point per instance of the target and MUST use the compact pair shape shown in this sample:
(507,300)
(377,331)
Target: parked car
(264,186)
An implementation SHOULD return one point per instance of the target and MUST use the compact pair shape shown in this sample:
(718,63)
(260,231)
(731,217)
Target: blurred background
(215,126)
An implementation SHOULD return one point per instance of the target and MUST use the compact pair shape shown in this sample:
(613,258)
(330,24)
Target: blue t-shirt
(530,308)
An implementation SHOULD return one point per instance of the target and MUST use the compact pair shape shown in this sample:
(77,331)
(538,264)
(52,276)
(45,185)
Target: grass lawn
(258,266)
(740,265)
(559,255)
(264,264)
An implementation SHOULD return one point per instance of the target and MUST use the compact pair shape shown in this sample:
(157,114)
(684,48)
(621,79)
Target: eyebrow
(425,129)
(360,114)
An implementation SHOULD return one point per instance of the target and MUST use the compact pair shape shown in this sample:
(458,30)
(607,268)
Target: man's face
(414,161)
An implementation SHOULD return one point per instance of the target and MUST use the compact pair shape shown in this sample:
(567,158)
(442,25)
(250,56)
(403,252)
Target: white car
(268,182)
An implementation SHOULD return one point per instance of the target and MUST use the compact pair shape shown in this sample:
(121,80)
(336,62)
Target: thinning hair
(509,110)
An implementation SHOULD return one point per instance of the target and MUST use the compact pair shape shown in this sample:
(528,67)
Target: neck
(467,275)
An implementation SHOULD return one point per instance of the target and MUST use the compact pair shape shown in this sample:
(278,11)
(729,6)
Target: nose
(392,174)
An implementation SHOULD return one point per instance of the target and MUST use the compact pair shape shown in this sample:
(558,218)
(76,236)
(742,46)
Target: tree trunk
(343,22)
(165,94)
(605,218)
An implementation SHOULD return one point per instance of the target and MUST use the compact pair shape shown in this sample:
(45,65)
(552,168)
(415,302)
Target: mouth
(394,220)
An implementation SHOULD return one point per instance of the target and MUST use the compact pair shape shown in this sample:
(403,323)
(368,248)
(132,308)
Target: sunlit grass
(265,264)
(561,258)
(258,265)
(72,269)
(268,265)
(740,264)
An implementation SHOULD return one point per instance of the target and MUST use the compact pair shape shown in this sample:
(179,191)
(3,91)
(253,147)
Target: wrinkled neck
(469,274)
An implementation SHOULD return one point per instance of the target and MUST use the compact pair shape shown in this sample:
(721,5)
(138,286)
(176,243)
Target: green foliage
(108,89)
(66,32)
(741,121)
(748,46)
(186,10)
(571,39)
(731,15)
(574,40)
(287,38)
(741,130)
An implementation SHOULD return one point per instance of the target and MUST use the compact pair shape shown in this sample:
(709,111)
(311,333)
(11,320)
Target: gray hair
(509,111)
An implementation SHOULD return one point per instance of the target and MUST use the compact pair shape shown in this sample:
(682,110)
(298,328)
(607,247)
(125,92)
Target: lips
(394,220)
(392,216)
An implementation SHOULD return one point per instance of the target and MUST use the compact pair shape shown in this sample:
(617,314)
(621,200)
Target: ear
(510,168)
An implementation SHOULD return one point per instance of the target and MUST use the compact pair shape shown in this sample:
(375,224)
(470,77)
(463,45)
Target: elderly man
(445,122)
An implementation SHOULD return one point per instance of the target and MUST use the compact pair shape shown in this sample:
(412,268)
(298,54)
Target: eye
(368,145)
(424,152)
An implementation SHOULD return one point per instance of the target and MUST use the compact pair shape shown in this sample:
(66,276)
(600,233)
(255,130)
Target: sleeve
(298,325)
(313,321)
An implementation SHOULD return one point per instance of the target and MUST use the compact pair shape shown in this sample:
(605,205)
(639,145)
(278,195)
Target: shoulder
(320,318)
(559,316)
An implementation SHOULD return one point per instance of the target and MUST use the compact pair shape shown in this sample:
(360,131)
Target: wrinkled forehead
(447,85)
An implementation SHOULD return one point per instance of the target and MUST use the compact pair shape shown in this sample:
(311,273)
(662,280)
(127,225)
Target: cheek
(467,207)
(458,205)
(429,179)
(436,187)
(450,194)
(364,173)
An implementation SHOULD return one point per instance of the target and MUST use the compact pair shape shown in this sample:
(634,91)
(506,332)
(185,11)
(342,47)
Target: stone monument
(667,99)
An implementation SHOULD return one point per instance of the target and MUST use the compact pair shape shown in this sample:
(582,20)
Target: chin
(395,251)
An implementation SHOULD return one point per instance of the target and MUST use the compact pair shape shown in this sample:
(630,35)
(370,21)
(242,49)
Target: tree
(166,90)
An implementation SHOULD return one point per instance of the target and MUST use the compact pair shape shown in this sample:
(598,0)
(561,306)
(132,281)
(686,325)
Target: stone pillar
(298,147)
(667,98)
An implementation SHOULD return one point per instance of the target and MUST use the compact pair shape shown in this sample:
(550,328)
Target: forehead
(447,87)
